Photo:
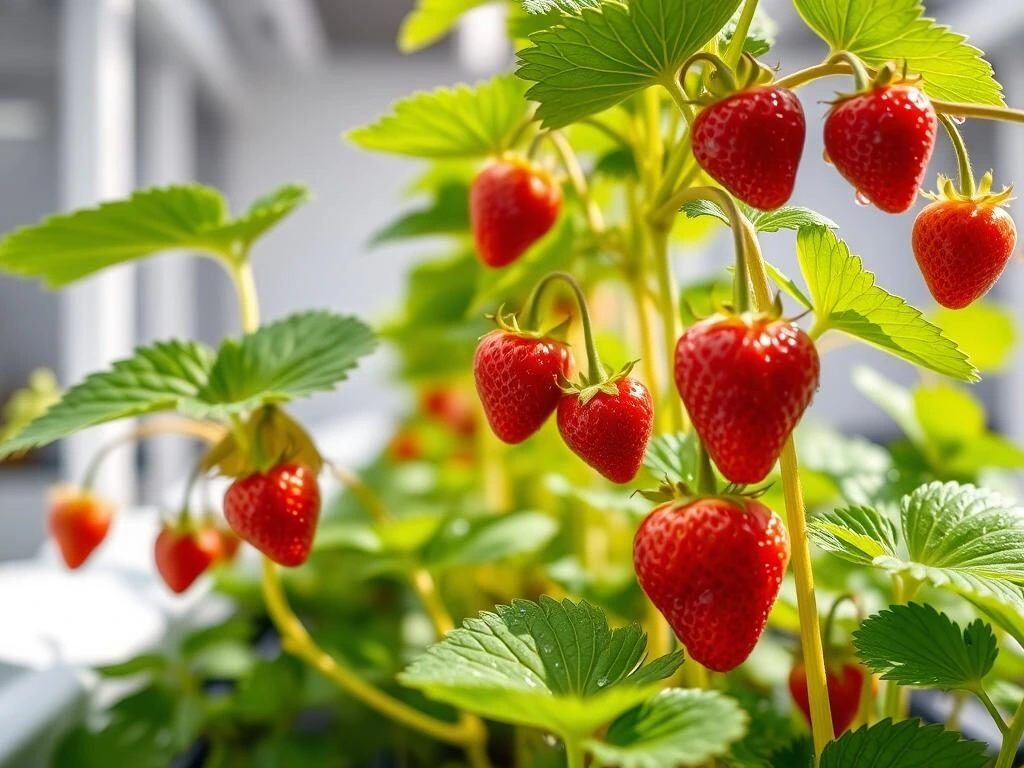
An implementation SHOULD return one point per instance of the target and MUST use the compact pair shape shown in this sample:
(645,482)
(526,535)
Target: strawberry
(183,554)
(713,567)
(450,407)
(276,511)
(512,204)
(963,243)
(745,380)
(880,140)
(750,142)
(78,522)
(229,545)
(845,682)
(609,429)
(517,377)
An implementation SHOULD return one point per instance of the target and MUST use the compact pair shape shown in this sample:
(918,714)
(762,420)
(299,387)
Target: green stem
(245,288)
(574,756)
(595,370)
(893,704)
(572,167)
(678,94)
(739,36)
(963,160)
(830,620)
(705,473)
(722,69)
(1012,739)
(861,78)
(997,717)
(668,301)
(612,133)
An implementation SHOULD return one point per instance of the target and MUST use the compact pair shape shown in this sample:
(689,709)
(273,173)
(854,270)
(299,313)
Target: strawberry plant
(490,588)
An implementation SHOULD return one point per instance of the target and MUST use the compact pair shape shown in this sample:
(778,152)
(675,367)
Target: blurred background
(98,97)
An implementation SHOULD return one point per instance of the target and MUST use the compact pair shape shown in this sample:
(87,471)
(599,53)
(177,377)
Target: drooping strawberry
(183,553)
(517,377)
(845,683)
(608,427)
(750,142)
(713,567)
(745,380)
(276,511)
(512,204)
(78,522)
(880,139)
(963,242)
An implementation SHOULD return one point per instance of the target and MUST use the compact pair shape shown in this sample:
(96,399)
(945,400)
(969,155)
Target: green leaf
(916,645)
(948,415)
(447,214)
(906,744)
(760,36)
(898,31)
(787,284)
(956,537)
(846,299)
(794,217)
(595,59)
(292,358)
(985,331)
(287,360)
(146,663)
(672,457)
(859,469)
(565,6)
(488,540)
(552,665)
(67,247)
(166,376)
(677,727)
(430,21)
(461,122)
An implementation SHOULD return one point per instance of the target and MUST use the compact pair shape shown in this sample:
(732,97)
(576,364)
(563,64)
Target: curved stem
(830,619)
(861,78)
(297,641)
(963,160)
(205,431)
(997,716)
(579,180)
(796,517)
(1011,740)
(721,67)
(816,72)
(612,133)
(595,370)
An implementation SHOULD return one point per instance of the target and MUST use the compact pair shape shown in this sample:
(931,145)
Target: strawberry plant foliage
(460,122)
(906,744)
(881,32)
(67,247)
(553,665)
(593,60)
(916,645)
(292,358)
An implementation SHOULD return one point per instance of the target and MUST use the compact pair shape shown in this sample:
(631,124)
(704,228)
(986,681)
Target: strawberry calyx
(947,191)
(509,323)
(682,494)
(719,80)
(888,75)
(268,438)
(587,388)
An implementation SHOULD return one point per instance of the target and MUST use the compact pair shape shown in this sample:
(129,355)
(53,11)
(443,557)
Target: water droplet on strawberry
(861,199)
(825,156)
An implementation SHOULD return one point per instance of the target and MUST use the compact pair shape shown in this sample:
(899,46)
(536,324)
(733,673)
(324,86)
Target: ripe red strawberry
(881,141)
(609,431)
(517,378)
(183,554)
(78,522)
(963,244)
(751,143)
(845,682)
(714,569)
(512,204)
(746,381)
(452,408)
(276,512)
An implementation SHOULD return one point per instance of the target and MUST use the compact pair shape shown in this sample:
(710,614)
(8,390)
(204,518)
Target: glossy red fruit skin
(745,381)
(517,378)
(962,247)
(610,432)
(845,683)
(276,512)
(183,556)
(881,142)
(78,522)
(512,205)
(751,143)
(714,570)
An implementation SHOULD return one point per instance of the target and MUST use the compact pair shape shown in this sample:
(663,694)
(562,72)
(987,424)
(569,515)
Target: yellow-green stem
(668,306)
(893,704)
(739,35)
(572,167)
(1012,739)
(648,351)
(574,756)
(796,517)
(248,299)
(997,717)
(963,159)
